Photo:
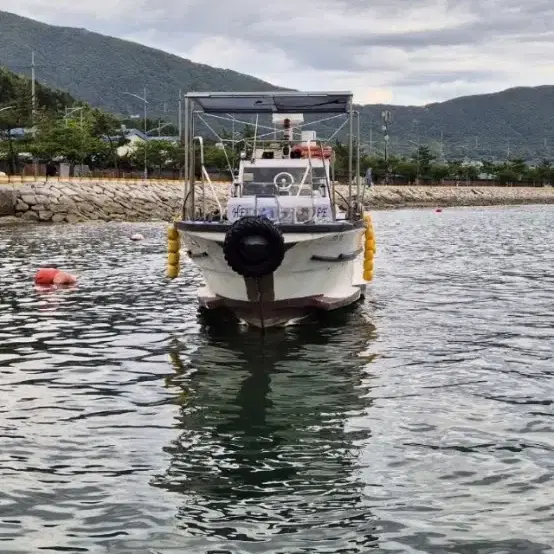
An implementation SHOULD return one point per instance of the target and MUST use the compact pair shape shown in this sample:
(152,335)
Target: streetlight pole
(143,99)
(68,112)
(158,128)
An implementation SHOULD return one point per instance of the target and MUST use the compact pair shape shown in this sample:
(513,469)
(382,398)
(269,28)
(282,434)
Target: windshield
(261,180)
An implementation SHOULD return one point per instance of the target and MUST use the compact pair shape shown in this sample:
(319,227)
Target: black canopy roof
(272,102)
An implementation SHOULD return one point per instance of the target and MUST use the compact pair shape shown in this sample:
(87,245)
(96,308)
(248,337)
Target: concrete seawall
(79,201)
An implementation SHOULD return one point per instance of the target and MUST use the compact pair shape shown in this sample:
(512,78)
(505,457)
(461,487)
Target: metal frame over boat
(281,247)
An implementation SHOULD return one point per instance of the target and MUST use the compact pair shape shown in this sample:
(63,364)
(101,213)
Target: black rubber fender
(254,247)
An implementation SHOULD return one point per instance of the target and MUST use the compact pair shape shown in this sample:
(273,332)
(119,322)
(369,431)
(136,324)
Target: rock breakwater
(7,201)
(439,196)
(80,201)
(74,202)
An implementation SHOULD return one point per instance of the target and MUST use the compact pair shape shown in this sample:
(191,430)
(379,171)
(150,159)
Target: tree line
(92,137)
(424,165)
(63,129)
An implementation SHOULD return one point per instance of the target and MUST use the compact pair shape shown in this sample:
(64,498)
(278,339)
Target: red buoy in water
(63,278)
(438,210)
(48,276)
(45,276)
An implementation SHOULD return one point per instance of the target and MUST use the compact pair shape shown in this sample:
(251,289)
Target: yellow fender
(173,248)
(370,248)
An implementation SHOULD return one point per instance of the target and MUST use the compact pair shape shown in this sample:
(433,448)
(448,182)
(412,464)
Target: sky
(385,51)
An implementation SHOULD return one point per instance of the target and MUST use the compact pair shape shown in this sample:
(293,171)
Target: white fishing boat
(280,248)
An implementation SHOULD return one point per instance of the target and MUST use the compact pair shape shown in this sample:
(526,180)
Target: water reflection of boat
(264,452)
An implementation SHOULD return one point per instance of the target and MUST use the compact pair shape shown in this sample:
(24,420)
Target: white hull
(307,280)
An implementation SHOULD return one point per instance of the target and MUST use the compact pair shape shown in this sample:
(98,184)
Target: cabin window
(260,180)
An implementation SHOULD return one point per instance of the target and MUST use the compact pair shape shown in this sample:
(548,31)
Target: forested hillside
(99,69)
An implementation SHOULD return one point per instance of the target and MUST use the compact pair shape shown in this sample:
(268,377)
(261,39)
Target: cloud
(393,51)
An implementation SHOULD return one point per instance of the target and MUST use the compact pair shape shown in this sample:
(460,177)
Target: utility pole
(180,115)
(371,137)
(386,115)
(418,145)
(33,107)
(33,88)
(508,150)
(180,120)
(145,114)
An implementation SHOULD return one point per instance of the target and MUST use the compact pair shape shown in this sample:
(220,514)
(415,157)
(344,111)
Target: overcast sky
(390,51)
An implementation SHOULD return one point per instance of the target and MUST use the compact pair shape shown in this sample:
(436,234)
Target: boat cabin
(286,181)
(285,191)
(285,173)
(283,177)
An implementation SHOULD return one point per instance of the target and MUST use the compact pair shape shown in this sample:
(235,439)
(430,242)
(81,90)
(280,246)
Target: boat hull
(322,270)
(278,313)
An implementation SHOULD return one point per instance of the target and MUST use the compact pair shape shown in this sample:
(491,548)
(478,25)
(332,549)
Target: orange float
(314,150)
(47,276)
(62,278)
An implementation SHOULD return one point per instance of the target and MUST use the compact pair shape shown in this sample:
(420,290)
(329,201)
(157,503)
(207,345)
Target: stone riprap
(7,201)
(80,201)
(451,196)
(74,202)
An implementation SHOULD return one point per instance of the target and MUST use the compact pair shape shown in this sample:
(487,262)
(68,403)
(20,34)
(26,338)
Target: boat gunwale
(313,228)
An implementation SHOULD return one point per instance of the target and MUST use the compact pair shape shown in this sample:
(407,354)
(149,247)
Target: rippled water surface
(419,422)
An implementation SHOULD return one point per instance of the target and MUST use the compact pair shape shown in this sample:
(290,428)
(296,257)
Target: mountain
(517,122)
(98,69)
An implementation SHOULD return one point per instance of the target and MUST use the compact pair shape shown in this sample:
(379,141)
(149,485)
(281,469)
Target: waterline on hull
(277,313)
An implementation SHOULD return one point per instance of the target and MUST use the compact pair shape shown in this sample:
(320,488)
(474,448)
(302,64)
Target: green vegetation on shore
(62,128)
(424,167)
(74,132)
